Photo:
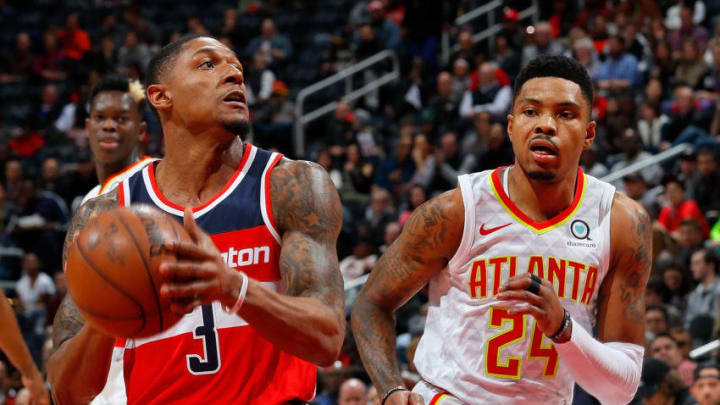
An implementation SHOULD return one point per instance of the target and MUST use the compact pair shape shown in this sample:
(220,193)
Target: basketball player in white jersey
(522,263)
(114,128)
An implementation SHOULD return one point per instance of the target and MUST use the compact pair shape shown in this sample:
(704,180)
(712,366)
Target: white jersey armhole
(468,236)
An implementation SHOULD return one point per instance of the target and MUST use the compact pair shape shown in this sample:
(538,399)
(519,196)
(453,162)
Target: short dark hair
(704,366)
(114,82)
(167,55)
(661,308)
(709,257)
(556,66)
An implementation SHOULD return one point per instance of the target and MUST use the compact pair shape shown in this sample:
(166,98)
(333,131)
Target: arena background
(394,98)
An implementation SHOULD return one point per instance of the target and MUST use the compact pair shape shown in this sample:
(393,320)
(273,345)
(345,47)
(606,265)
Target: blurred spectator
(585,53)
(23,397)
(656,321)
(196,26)
(148,32)
(360,262)
(660,384)
(705,185)
(259,81)
(34,287)
(49,109)
(590,164)
(694,13)
(394,172)
(392,231)
(110,29)
(632,153)
(542,43)
(665,348)
(75,40)
(8,212)
(677,283)
(357,177)
(385,29)
(422,155)
(467,49)
(231,29)
(133,54)
(19,64)
(451,163)
(512,29)
(688,29)
(620,70)
(650,124)
(339,132)
(507,58)
(689,238)
(275,47)
(711,82)
(499,151)
(706,386)
(417,196)
(692,67)
(688,119)
(352,392)
(491,96)
(663,68)
(379,213)
(679,208)
(14,177)
(635,186)
(444,105)
(705,298)
(50,63)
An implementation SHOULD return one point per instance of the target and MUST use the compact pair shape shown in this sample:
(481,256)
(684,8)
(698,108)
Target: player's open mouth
(235,98)
(109,142)
(543,147)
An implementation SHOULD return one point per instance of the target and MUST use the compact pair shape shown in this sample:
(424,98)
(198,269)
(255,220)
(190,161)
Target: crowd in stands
(655,65)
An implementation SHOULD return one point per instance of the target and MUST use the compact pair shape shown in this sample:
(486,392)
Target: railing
(493,28)
(350,94)
(655,159)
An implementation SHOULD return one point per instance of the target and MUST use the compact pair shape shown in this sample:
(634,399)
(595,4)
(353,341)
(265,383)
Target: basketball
(112,271)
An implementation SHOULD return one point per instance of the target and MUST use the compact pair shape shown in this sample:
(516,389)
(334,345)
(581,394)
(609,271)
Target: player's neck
(193,171)
(106,170)
(540,200)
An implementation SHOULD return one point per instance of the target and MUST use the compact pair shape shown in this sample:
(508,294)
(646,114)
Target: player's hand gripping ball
(112,270)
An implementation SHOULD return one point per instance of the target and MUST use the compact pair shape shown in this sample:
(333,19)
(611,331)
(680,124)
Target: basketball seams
(145,264)
(87,260)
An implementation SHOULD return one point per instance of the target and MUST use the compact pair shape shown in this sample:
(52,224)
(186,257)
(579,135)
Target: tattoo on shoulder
(68,320)
(308,214)
(639,264)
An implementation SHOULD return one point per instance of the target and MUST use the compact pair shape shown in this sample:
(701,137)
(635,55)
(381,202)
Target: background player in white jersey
(115,128)
(540,218)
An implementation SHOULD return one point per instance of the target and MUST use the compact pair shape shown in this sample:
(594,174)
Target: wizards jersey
(472,348)
(211,356)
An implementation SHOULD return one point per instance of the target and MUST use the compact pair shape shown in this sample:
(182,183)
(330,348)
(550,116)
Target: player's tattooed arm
(80,359)
(308,215)
(621,312)
(429,239)
(68,320)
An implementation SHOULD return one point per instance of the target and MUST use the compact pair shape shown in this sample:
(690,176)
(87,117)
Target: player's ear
(509,124)
(589,134)
(159,96)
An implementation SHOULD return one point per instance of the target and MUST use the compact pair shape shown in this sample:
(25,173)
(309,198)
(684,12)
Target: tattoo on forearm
(632,288)
(68,320)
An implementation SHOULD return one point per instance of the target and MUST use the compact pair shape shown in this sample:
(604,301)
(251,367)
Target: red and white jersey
(210,356)
(112,182)
(475,352)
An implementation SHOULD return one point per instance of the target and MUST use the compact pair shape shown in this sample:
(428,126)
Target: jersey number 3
(210,362)
(516,332)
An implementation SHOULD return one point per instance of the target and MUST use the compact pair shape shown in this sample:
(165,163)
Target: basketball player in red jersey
(12,344)
(522,262)
(278,329)
(114,129)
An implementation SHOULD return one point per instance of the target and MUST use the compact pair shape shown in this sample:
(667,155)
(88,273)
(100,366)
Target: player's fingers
(184,270)
(190,224)
(521,295)
(527,309)
(188,250)
(521,282)
(195,289)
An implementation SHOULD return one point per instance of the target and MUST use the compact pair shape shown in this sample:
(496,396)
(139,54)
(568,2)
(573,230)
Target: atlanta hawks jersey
(472,348)
(211,356)
(112,182)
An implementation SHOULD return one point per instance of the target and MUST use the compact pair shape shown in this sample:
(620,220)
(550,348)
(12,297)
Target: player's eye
(568,115)
(530,112)
(207,64)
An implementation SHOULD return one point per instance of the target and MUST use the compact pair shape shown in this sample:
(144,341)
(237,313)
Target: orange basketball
(112,270)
